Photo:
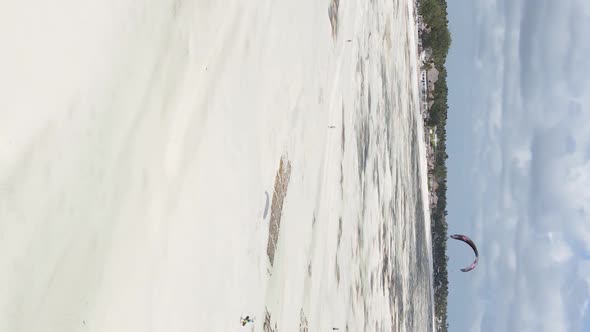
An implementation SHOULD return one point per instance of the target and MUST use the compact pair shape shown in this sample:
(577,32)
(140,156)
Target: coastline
(423,146)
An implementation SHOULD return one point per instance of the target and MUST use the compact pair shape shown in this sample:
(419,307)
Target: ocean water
(139,142)
(389,285)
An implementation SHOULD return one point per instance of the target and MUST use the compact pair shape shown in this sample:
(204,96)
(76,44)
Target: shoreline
(423,146)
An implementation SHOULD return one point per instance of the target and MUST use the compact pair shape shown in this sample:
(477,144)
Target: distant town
(428,78)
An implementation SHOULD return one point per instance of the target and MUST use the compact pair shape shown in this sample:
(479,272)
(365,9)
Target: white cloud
(522,157)
(511,260)
(560,251)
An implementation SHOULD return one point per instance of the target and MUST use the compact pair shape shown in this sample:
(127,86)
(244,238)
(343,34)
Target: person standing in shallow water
(247,320)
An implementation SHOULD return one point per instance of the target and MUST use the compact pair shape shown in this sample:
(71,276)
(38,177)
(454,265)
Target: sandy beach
(138,139)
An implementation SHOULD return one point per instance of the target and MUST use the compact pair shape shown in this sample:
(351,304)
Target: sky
(518,139)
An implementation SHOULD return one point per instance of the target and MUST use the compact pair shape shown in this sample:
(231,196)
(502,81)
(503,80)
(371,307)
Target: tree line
(438,38)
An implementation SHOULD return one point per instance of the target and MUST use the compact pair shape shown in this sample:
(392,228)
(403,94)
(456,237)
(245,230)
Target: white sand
(137,139)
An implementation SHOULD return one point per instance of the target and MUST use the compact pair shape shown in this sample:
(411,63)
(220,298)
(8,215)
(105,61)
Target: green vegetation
(438,38)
